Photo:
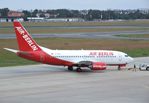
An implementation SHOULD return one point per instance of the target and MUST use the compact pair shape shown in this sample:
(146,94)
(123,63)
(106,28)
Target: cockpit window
(126,55)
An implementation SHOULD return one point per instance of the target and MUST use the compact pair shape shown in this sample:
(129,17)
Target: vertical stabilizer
(25,41)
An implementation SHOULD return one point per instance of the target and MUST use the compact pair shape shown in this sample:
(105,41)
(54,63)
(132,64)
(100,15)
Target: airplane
(92,59)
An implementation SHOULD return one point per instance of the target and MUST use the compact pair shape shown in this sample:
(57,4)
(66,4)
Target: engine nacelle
(98,66)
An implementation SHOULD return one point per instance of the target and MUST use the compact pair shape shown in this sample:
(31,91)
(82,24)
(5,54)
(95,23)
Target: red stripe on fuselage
(41,56)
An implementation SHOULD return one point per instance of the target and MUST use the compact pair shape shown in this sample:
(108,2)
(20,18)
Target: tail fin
(25,41)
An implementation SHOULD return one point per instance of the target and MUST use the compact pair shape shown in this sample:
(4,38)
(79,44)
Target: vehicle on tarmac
(143,67)
(92,59)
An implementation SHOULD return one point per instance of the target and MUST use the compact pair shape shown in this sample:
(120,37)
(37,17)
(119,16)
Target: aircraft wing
(84,64)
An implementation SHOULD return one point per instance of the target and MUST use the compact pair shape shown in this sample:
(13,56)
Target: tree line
(84,14)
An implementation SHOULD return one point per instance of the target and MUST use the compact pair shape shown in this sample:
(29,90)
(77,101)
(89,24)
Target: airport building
(36,19)
(42,19)
(12,15)
(15,14)
(66,20)
(11,19)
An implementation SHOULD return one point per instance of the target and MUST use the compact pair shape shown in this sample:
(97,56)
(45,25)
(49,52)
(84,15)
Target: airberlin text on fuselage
(27,38)
(101,53)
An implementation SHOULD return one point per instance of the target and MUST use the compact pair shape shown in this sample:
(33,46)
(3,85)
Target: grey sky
(74,4)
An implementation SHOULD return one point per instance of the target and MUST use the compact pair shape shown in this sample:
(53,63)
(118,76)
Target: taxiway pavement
(50,84)
(95,35)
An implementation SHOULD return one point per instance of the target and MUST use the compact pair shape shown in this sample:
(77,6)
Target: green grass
(133,48)
(9,26)
(116,23)
(10,59)
(68,30)
(140,52)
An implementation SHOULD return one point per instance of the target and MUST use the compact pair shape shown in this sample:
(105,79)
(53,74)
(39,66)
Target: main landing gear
(79,69)
(70,68)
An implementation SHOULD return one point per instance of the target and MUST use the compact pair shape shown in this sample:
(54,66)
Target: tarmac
(52,84)
(95,35)
(92,35)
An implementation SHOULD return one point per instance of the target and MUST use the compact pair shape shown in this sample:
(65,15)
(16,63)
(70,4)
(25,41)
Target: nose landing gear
(119,67)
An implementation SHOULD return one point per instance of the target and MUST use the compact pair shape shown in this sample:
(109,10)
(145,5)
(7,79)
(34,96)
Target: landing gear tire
(147,68)
(79,70)
(119,67)
(70,68)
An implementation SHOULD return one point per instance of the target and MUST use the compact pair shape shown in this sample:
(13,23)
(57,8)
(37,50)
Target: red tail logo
(25,41)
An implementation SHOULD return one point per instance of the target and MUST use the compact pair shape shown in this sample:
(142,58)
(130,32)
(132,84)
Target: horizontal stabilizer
(11,50)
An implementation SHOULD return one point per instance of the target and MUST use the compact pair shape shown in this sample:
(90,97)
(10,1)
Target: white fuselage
(75,56)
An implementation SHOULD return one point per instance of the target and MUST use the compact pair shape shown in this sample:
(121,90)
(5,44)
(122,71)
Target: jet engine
(98,66)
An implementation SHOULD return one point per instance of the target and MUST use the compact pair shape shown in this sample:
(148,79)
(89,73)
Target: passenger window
(126,55)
